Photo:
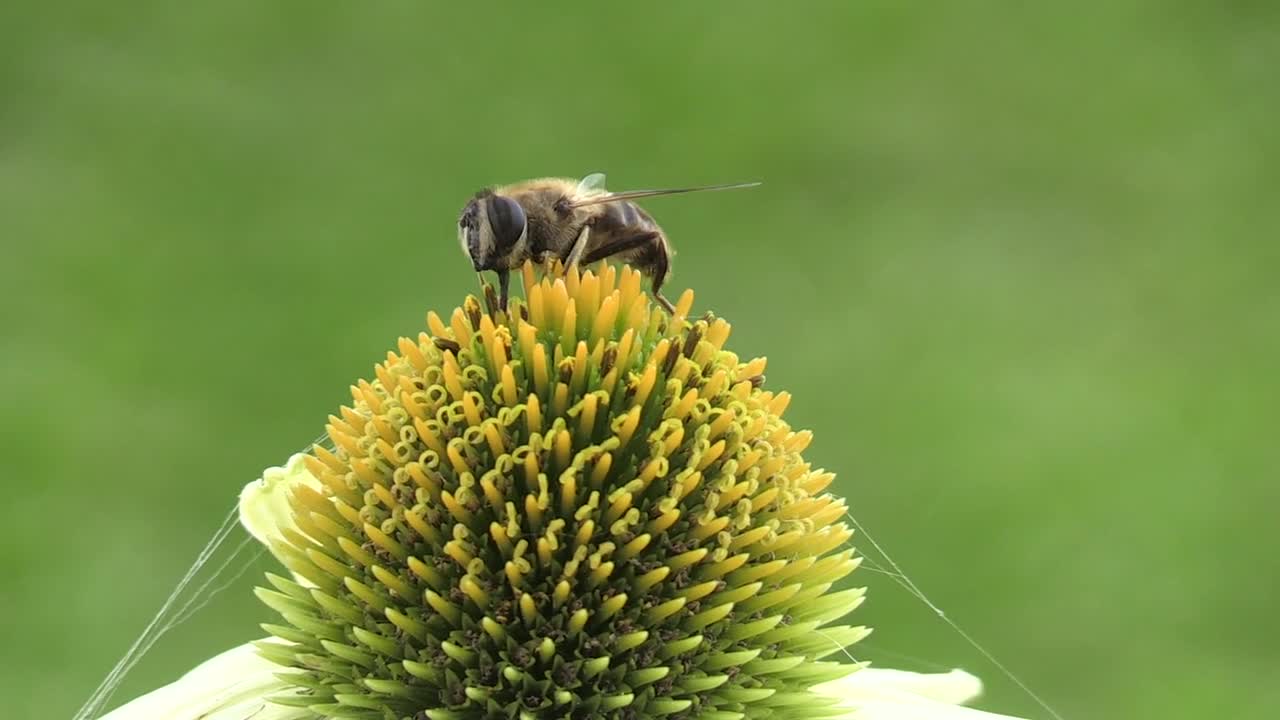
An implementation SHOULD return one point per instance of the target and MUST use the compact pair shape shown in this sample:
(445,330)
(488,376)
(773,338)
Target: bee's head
(490,226)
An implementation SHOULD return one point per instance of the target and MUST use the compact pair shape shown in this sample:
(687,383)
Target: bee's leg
(658,268)
(620,245)
(658,263)
(579,247)
(661,265)
(504,285)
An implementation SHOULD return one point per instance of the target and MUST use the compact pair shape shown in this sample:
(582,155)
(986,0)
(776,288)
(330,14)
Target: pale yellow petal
(264,503)
(876,694)
(956,687)
(230,686)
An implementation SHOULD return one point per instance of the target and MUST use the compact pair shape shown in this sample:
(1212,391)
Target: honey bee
(574,221)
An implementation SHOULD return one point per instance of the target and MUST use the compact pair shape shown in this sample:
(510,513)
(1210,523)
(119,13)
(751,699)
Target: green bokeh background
(1016,262)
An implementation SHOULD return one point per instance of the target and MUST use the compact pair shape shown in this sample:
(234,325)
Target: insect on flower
(576,222)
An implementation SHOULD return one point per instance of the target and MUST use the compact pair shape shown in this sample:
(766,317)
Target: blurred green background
(1017,264)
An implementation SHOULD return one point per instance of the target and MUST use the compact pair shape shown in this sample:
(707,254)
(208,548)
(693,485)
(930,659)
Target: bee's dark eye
(507,220)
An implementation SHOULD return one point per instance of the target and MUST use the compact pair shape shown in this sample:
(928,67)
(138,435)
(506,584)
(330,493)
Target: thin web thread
(102,694)
(922,662)
(189,608)
(909,585)
(843,649)
(166,618)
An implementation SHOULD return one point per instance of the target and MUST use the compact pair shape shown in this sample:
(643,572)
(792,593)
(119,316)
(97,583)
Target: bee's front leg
(579,247)
(504,284)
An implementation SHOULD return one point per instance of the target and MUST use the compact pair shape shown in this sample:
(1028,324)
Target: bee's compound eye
(507,221)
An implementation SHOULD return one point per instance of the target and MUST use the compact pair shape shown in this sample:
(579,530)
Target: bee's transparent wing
(597,195)
(591,185)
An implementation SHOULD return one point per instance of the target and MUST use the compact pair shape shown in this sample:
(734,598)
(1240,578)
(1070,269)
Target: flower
(579,507)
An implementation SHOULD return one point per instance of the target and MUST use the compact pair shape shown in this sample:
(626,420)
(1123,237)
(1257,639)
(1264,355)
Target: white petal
(229,686)
(264,503)
(875,694)
(956,687)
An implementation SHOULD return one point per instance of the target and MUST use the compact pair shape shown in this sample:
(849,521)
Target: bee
(574,221)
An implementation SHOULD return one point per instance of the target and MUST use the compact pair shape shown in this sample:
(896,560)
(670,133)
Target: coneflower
(580,507)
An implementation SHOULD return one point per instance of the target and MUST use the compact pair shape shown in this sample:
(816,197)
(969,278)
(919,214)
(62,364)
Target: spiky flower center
(578,508)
